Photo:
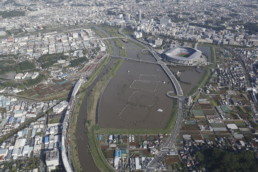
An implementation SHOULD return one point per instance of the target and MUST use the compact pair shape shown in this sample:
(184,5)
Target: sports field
(134,96)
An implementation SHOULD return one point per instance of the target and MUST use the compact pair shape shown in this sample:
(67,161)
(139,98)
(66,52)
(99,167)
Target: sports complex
(184,55)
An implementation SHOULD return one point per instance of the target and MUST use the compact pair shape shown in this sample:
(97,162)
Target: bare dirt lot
(136,98)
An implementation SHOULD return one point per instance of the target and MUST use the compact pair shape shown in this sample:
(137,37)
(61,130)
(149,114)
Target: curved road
(170,142)
(85,157)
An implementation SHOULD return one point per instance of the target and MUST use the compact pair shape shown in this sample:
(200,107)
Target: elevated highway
(169,143)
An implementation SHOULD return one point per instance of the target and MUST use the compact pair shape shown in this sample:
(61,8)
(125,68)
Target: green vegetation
(94,148)
(128,31)
(137,43)
(31,82)
(215,160)
(122,49)
(54,120)
(173,118)
(94,75)
(99,88)
(26,83)
(96,152)
(10,66)
(207,73)
(78,61)
(113,32)
(251,27)
(72,130)
(22,165)
(26,65)
(216,27)
(175,18)
(107,42)
(13,13)
(50,59)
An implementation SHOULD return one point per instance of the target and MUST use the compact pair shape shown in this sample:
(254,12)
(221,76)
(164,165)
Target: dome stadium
(184,55)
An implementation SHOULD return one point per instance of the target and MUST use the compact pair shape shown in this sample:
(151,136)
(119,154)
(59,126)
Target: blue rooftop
(118,153)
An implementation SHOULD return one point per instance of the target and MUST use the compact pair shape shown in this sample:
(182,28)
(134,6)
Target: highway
(65,149)
(169,143)
(107,38)
(171,76)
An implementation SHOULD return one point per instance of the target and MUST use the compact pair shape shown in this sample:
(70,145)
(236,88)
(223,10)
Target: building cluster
(249,58)
(225,114)
(38,139)
(189,20)
(26,143)
(15,112)
(52,146)
(34,46)
(196,33)
(60,107)
(233,77)
(191,147)
(27,75)
(130,152)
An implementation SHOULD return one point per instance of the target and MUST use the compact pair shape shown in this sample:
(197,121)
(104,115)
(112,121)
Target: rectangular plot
(142,98)
(144,85)
(150,77)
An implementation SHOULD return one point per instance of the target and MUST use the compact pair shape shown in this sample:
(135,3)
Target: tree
(214,159)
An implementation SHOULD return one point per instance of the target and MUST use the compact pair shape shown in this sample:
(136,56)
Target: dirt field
(134,96)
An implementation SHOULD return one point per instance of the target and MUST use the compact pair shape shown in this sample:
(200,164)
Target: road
(169,143)
(107,38)
(81,134)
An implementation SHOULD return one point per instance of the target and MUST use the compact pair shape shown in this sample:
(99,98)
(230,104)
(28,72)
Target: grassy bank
(207,74)
(107,42)
(113,32)
(95,150)
(92,103)
(99,88)
(72,130)
(94,75)
(136,43)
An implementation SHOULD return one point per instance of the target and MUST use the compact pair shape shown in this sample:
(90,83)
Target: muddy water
(134,96)
(85,158)
(86,161)
(136,52)
(131,100)
(188,77)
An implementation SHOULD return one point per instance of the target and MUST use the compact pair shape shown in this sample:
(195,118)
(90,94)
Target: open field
(44,92)
(133,97)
